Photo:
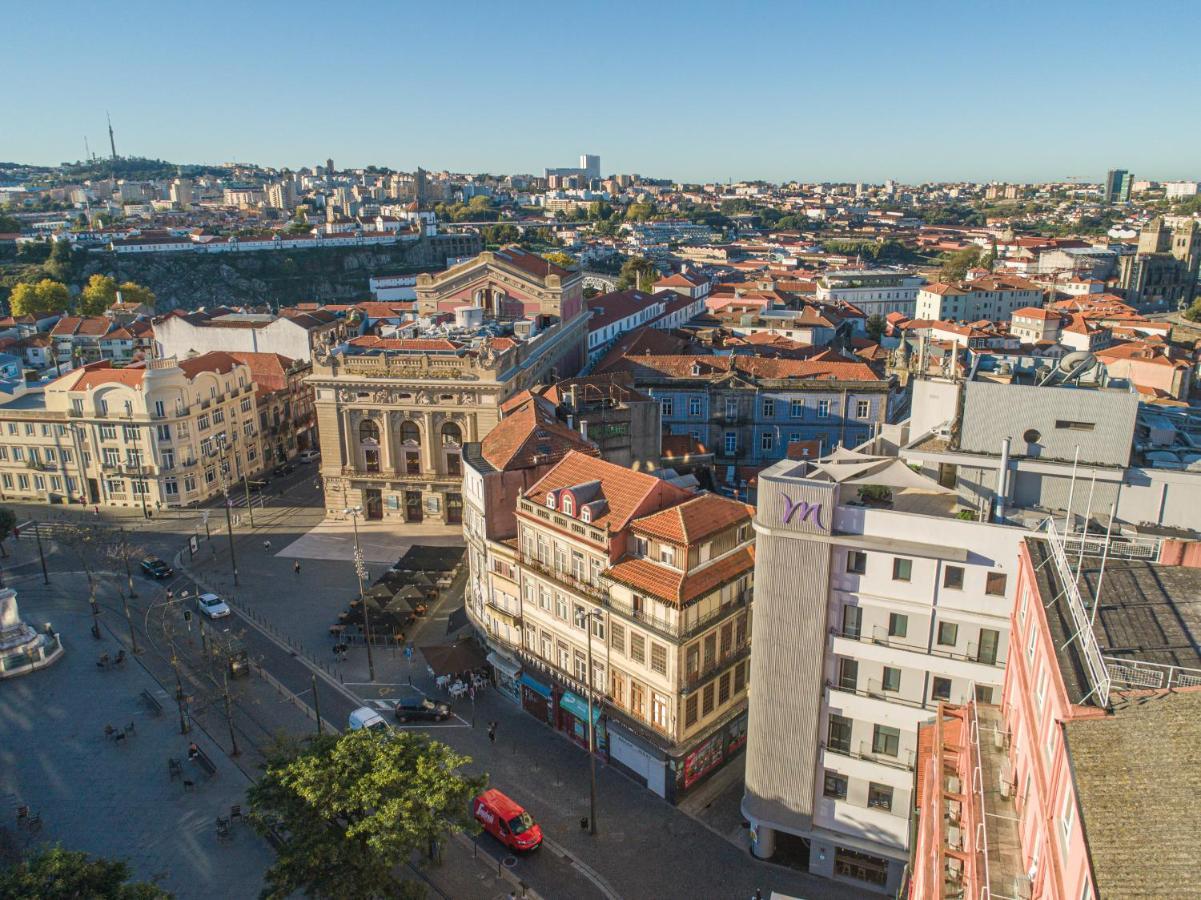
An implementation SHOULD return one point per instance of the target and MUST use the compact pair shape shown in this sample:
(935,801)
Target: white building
(898,606)
(992,297)
(875,291)
(1176,189)
(293,336)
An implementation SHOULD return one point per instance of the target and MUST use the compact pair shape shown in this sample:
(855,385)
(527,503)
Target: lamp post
(588,618)
(360,569)
(222,463)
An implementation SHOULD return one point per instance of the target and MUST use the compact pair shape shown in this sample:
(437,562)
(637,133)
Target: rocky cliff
(193,280)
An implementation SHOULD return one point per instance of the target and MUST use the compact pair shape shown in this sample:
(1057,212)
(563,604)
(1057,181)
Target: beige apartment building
(161,434)
(394,413)
(656,583)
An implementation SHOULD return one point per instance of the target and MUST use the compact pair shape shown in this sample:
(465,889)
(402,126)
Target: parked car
(308,456)
(506,821)
(366,717)
(156,568)
(285,468)
(212,606)
(421,708)
(256,486)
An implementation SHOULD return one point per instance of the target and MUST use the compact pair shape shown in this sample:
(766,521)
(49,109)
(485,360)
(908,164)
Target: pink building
(1081,784)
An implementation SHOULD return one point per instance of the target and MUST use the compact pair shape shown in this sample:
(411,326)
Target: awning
(578,707)
(503,663)
(534,685)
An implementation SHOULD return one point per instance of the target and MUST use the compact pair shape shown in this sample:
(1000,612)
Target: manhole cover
(509,862)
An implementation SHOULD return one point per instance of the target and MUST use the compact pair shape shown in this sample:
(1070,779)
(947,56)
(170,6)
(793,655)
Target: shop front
(573,721)
(505,675)
(536,698)
(709,755)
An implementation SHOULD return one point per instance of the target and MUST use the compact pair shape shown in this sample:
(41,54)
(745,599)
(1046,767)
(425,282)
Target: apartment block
(992,297)
(1077,785)
(163,433)
(653,584)
(874,602)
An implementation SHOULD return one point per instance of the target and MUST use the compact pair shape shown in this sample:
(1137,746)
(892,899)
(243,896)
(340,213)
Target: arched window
(368,432)
(410,433)
(568,505)
(452,435)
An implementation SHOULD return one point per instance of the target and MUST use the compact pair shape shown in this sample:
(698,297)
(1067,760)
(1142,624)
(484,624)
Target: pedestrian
(492,732)
(170,594)
(193,751)
(96,510)
(296,567)
(267,546)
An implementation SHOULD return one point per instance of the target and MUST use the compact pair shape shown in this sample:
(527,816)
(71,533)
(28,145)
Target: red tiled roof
(215,361)
(677,587)
(695,519)
(268,370)
(530,435)
(627,494)
(418,344)
(103,373)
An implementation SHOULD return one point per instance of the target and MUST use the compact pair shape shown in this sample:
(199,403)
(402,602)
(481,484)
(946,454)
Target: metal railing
(904,759)
(1090,650)
(736,653)
(564,577)
(1135,673)
(880,637)
(875,690)
(1120,546)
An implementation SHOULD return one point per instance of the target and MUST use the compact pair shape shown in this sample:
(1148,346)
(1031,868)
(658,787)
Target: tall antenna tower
(112,143)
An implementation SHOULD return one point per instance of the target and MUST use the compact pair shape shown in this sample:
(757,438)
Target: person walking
(492,732)
(296,567)
(267,546)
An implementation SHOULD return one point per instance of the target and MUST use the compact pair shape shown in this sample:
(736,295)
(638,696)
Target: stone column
(429,445)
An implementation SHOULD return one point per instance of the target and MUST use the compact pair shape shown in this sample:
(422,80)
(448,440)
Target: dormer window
(552,500)
(586,514)
(696,368)
(667,555)
(640,546)
(568,505)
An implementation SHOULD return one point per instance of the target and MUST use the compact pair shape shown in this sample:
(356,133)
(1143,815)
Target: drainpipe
(1002,483)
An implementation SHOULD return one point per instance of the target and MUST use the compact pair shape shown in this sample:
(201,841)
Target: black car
(256,486)
(283,469)
(156,568)
(420,708)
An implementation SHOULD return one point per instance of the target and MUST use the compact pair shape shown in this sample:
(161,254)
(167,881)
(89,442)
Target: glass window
(902,569)
(823,409)
(658,658)
(879,796)
(891,680)
(667,405)
(617,637)
(690,713)
(948,634)
(707,699)
(769,407)
(862,409)
(740,671)
(848,673)
(952,577)
(838,737)
(835,785)
(994,584)
(796,408)
(898,625)
(886,740)
(637,647)
(941,688)
(852,617)
(856,562)
(723,688)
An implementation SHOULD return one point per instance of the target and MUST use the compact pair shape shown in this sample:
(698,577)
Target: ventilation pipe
(1002,483)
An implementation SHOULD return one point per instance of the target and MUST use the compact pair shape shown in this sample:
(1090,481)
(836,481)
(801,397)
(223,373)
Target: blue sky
(694,91)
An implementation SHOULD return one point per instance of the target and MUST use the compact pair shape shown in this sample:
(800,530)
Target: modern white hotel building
(874,601)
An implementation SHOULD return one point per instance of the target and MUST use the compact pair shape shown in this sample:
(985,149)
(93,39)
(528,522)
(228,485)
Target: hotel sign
(801,511)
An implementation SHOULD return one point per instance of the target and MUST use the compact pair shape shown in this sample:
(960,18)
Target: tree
(875,327)
(44,297)
(637,272)
(101,293)
(53,873)
(1193,313)
(559,258)
(352,808)
(9,224)
(8,521)
(955,265)
(59,266)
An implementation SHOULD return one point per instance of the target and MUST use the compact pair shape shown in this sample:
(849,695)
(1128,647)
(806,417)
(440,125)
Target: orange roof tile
(694,520)
(678,587)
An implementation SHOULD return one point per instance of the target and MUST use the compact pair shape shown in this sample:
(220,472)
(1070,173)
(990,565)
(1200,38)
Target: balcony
(903,760)
(881,648)
(737,652)
(592,591)
(742,601)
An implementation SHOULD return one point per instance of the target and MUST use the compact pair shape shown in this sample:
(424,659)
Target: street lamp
(360,569)
(585,621)
(222,463)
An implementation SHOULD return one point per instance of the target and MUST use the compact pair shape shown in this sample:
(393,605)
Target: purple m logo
(808,511)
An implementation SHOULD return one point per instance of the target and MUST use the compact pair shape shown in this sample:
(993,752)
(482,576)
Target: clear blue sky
(917,91)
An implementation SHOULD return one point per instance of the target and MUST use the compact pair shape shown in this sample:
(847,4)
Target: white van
(366,717)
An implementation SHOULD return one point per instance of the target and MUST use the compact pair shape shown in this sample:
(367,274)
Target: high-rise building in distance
(590,164)
(1117,186)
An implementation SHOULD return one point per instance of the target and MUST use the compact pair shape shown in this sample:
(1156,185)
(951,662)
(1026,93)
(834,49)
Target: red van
(506,821)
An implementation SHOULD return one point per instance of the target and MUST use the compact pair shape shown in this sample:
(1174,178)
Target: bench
(201,759)
(152,703)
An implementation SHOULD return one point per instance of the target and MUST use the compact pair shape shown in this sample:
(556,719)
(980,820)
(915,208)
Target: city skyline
(815,105)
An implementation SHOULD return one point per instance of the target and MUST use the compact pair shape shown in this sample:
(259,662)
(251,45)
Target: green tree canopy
(53,873)
(101,293)
(45,296)
(59,266)
(955,265)
(875,326)
(559,258)
(637,272)
(9,224)
(352,808)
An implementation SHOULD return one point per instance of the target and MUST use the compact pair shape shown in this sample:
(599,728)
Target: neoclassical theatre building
(394,412)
